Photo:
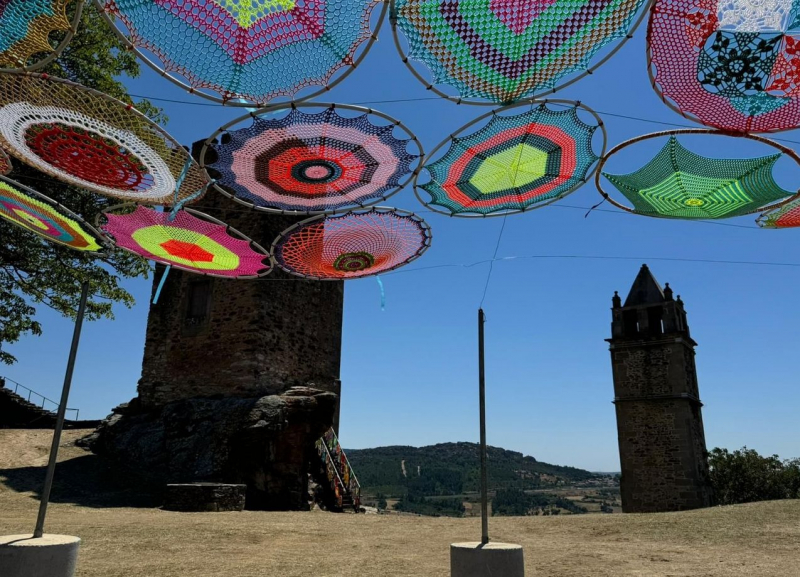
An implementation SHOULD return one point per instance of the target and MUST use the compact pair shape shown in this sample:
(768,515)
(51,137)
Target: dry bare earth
(754,540)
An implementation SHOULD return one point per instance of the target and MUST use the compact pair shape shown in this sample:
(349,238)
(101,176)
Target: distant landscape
(444,479)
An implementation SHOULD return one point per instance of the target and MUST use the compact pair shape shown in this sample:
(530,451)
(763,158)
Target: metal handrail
(335,470)
(17,386)
(346,460)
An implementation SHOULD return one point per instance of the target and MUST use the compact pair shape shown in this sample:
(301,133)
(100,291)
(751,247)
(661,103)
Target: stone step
(19,412)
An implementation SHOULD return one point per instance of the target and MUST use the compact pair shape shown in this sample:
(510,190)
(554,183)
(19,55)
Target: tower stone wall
(240,378)
(241,338)
(659,420)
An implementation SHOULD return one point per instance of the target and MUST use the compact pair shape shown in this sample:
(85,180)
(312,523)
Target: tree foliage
(744,476)
(413,502)
(35,272)
(453,468)
(515,502)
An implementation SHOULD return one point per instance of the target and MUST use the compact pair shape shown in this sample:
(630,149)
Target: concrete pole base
(50,556)
(490,560)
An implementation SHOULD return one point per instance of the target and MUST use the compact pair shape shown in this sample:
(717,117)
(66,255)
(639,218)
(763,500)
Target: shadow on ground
(86,480)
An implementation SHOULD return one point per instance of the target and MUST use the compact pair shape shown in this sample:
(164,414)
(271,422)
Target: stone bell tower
(659,422)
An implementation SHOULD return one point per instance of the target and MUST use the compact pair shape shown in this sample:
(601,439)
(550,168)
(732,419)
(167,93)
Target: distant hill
(453,469)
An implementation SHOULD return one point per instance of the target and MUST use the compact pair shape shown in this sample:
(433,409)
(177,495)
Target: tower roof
(645,290)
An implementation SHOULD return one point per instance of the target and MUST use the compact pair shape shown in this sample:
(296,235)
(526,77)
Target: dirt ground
(757,540)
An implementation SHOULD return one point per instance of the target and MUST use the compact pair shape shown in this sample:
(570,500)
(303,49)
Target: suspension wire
(597,257)
(491,262)
(429,98)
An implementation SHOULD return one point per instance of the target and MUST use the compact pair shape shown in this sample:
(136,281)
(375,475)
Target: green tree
(381,502)
(35,272)
(744,476)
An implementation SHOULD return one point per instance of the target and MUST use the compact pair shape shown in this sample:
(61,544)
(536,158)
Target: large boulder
(267,443)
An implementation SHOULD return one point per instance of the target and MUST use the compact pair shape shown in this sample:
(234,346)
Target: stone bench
(204,497)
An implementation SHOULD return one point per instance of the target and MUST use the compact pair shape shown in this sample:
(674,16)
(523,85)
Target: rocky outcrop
(266,443)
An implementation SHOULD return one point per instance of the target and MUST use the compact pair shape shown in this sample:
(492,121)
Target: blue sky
(409,372)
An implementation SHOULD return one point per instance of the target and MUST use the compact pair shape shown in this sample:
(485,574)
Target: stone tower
(241,338)
(211,337)
(659,422)
(240,378)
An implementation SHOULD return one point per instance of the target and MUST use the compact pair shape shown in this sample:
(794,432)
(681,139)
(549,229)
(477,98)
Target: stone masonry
(239,377)
(659,421)
(208,336)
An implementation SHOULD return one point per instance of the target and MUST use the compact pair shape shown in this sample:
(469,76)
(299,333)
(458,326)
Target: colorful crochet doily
(351,245)
(514,163)
(787,216)
(25,29)
(677,183)
(730,64)
(507,50)
(310,163)
(192,241)
(254,50)
(37,213)
(92,141)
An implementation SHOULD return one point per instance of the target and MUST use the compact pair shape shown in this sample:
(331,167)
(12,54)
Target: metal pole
(484,475)
(62,409)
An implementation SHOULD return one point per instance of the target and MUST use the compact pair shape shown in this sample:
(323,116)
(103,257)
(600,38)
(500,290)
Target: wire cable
(429,98)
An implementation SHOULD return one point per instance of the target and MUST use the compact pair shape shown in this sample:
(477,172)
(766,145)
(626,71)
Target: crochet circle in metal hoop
(497,112)
(356,257)
(241,100)
(102,221)
(674,54)
(85,237)
(329,167)
(69,33)
(536,95)
(696,131)
(88,139)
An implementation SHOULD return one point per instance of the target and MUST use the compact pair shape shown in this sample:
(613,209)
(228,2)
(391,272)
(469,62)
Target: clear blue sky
(409,372)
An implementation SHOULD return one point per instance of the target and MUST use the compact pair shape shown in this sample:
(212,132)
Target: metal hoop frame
(765,215)
(131,110)
(712,132)
(426,231)
(532,98)
(73,29)
(497,112)
(248,104)
(101,239)
(323,105)
(203,216)
(669,103)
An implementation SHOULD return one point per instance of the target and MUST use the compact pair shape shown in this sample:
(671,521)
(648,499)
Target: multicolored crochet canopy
(37,213)
(312,163)
(192,241)
(512,164)
(787,216)
(92,141)
(352,245)
(25,28)
(678,183)
(731,64)
(506,50)
(5,163)
(251,49)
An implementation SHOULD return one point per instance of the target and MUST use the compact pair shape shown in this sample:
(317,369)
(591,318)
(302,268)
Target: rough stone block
(198,497)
